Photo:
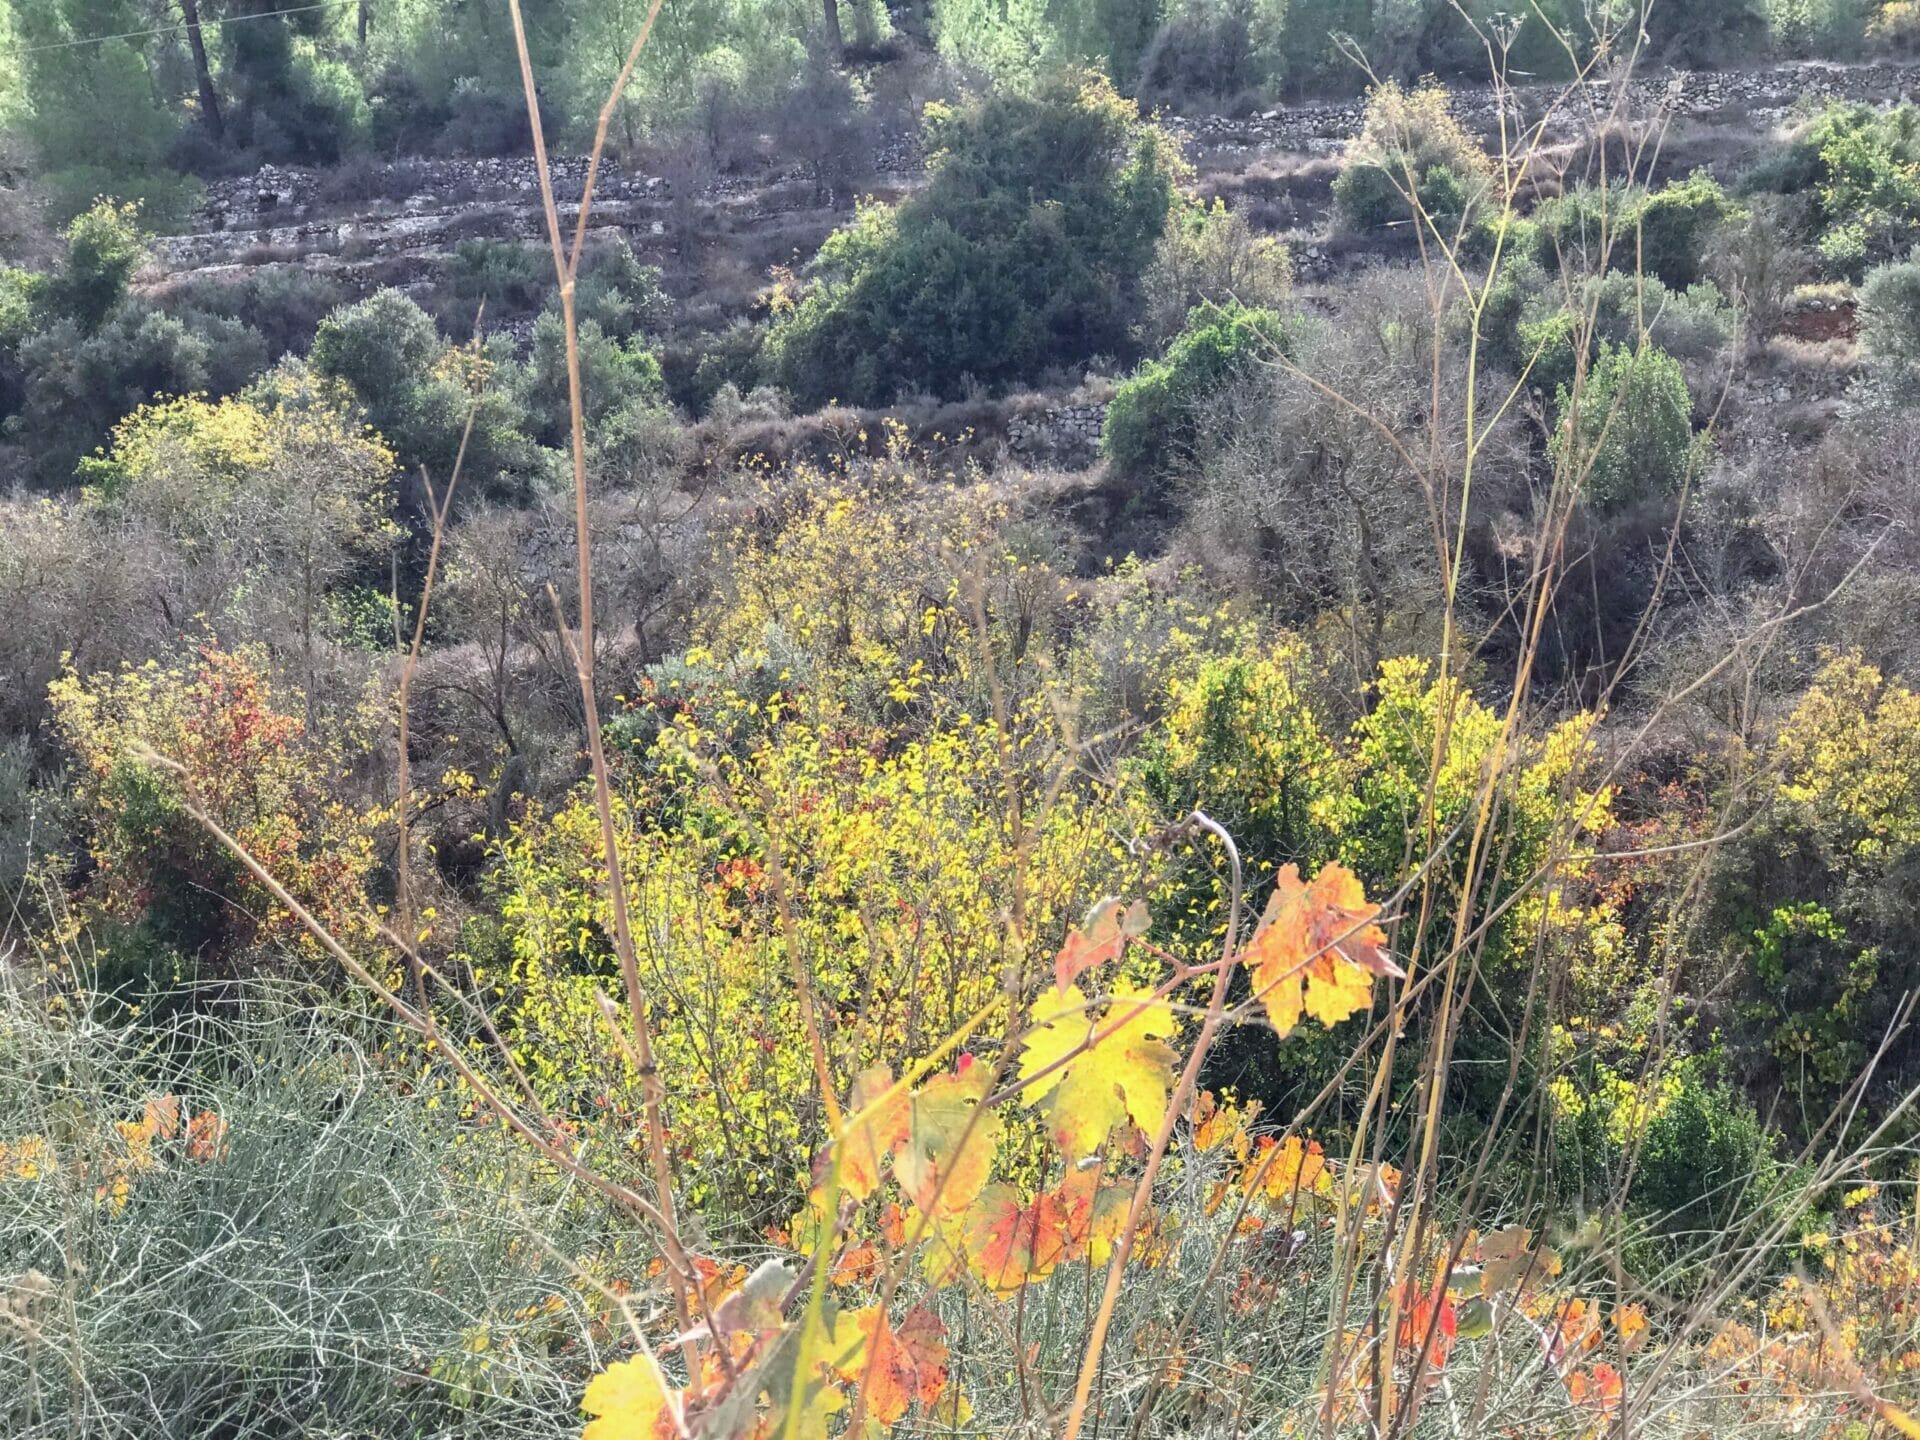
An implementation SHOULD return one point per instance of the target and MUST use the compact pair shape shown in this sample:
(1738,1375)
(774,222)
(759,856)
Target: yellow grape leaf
(1010,1243)
(877,1125)
(1100,938)
(631,1401)
(1476,1319)
(952,1411)
(1317,949)
(1123,1076)
(943,1260)
(943,1161)
(895,1366)
(1062,1021)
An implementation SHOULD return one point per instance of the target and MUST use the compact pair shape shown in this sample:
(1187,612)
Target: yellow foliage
(631,1401)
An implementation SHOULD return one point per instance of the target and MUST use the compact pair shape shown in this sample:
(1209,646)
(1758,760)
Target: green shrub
(1662,233)
(76,385)
(1701,1158)
(613,377)
(1705,1158)
(1530,320)
(1153,418)
(1210,254)
(696,372)
(1024,251)
(1572,230)
(1631,434)
(104,248)
(1862,167)
(1676,223)
(1890,311)
(418,392)
(1223,49)
(283,305)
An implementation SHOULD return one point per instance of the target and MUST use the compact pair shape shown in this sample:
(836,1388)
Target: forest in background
(1195,715)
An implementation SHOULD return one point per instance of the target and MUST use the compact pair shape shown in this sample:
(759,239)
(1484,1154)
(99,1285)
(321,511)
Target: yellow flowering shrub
(899,869)
(832,735)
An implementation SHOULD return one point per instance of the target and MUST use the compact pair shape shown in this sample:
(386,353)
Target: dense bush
(1023,251)
(1243,738)
(1224,50)
(1627,435)
(418,392)
(1689,1150)
(278,480)
(1538,324)
(183,911)
(613,377)
(78,351)
(1154,417)
(1661,233)
(281,304)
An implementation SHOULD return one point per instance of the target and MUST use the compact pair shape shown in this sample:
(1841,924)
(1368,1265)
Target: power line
(170,29)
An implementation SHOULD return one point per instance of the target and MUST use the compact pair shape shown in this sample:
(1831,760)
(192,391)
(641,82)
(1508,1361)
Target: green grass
(327,1277)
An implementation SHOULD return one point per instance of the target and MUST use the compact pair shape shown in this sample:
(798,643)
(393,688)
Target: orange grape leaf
(1599,1387)
(923,1336)
(1299,1168)
(943,1161)
(1010,1243)
(1631,1323)
(161,1117)
(206,1137)
(631,1401)
(1124,1075)
(877,1124)
(1094,1214)
(1317,949)
(859,1264)
(1429,1313)
(1215,1124)
(1100,938)
(895,1366)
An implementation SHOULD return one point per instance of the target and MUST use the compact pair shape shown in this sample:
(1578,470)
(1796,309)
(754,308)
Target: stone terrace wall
(1322,129)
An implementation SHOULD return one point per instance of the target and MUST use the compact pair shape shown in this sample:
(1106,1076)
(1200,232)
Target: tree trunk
(836,43)
(209,98)
(365,5)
